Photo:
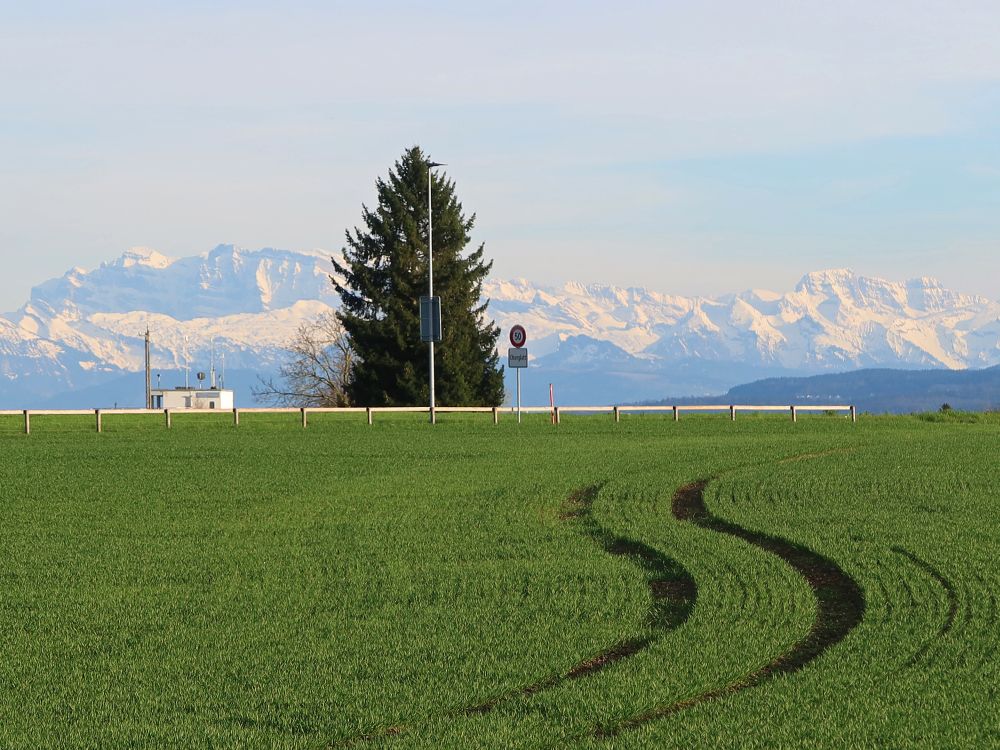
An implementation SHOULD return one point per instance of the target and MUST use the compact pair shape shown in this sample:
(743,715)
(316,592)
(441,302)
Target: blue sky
(691,148)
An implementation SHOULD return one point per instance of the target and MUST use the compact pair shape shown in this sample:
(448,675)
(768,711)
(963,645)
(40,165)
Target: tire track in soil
(950,593)
(841,606)
(672,590)
(671,587)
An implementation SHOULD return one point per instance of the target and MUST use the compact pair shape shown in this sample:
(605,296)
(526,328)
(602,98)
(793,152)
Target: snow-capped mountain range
(602,343)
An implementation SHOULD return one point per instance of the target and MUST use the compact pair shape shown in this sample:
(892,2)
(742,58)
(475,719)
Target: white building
(192,398)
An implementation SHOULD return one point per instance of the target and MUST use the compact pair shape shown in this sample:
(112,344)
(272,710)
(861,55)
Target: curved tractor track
(672,593)
(950,593)
(841,606)
(671,588)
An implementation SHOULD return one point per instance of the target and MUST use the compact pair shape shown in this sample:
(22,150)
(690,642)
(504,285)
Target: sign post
(517,374)
(517,359)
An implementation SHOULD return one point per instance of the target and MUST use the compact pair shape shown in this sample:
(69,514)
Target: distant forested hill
(875,390)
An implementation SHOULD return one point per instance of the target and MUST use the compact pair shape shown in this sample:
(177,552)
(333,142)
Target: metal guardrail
(371,411)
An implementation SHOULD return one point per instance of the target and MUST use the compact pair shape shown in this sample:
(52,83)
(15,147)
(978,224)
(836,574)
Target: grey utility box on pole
(430,319)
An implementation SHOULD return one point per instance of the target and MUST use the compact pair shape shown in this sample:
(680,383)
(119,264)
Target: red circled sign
(518,336)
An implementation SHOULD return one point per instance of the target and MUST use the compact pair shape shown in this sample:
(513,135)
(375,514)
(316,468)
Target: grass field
(474,585)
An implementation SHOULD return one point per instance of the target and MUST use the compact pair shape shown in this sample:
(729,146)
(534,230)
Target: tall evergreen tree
(380,282)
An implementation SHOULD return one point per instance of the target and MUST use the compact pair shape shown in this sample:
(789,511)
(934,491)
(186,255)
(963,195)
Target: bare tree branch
(318,368)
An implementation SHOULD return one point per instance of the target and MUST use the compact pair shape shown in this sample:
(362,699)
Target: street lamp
(434,305)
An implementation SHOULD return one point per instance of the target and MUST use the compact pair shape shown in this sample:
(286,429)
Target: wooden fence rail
(370,411)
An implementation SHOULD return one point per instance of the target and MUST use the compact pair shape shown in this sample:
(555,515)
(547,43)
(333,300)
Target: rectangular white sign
(517,357)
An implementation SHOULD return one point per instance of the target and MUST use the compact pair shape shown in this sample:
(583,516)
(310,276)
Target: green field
(474,585)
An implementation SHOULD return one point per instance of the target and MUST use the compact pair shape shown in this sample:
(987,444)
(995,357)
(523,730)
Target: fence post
(556,411)
(496,415)
(732,412)
(369,410)
(854,413)
(794,415)
(305,419)
(97,414)
(618,416)
(236,417)
(27,422)
(677,414)
(166,414)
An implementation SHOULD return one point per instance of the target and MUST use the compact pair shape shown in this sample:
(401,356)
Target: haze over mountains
(81,333)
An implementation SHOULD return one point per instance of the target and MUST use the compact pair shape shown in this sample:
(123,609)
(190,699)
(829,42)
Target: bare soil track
(841,606)
(671,589)
(672,592)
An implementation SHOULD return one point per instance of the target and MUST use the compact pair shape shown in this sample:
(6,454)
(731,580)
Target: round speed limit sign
(518,336)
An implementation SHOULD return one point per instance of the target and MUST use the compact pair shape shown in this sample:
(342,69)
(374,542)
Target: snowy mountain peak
(841,291)
(923,294)
(929,295)
(924,282)
(228,280)
(827,277)
(138,256)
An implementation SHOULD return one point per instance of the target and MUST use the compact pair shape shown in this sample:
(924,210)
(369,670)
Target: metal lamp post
(430,277)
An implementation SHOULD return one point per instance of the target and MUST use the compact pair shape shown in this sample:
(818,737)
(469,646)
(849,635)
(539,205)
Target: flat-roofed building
(192,398)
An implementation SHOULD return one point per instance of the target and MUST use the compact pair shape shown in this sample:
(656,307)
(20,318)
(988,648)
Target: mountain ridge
(87,324)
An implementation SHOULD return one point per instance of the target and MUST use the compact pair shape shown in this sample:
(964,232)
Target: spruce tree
(381,279)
